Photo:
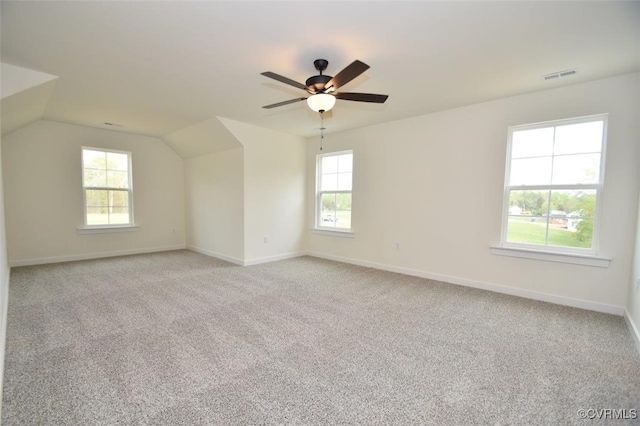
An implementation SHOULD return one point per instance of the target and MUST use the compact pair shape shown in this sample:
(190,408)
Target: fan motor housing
(316,83)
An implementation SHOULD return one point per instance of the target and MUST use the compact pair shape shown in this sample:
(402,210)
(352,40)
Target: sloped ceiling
(203,138)
(25,94)
(158,68)
(16,79)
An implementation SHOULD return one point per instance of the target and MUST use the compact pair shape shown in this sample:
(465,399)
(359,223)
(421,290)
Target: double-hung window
(333,202)
(106,181)
(553,185)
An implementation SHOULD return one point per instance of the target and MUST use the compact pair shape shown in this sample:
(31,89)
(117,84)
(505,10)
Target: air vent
(559,74)
(112,124)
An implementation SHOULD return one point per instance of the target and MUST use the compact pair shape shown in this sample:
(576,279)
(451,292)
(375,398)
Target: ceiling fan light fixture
(322,88)
(321,102)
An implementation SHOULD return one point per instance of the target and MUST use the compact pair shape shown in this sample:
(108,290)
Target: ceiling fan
(323,88)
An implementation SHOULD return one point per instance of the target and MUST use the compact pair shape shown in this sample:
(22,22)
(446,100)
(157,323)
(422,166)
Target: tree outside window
(106,180)
(553,184)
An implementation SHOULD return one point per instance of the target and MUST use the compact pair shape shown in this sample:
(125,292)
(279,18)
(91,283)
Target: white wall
(434,184)
(274,188)
(632,313)
(43,194)
(214,197)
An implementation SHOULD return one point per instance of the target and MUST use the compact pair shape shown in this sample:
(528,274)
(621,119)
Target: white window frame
(576,255)
(89,229)
(345,232)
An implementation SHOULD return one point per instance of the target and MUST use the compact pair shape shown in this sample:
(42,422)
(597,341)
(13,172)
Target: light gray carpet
(178,338)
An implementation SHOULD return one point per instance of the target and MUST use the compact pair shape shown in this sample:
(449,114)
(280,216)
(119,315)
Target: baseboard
(243,262)
(633,329)
(527,294)
(275,258)
(220,256)
(88,256)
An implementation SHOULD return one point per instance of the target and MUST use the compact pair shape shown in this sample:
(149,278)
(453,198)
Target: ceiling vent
(559,74)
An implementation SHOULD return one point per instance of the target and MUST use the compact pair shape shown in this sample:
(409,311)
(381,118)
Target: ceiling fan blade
(346,75)
(284,80)
(362,97)
(290,101)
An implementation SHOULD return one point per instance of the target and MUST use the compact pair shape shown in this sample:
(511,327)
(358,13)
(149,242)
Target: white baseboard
(633,329)
(88,256)
(275,258)
(527,294)
(220,256)
(242,262)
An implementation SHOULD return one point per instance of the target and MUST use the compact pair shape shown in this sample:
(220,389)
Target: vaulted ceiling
(160,68)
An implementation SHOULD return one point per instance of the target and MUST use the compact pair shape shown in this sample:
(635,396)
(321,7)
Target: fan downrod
(316,83)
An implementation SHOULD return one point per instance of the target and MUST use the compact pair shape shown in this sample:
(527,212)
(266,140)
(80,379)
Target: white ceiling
(158,67)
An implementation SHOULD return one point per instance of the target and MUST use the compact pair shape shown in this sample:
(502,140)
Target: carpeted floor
(178,338)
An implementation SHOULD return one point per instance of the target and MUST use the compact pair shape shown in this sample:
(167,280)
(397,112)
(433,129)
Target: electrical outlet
(638,284)
(266,239)
(397,246)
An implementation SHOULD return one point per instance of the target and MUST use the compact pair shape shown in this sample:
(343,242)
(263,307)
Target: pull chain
(321,129)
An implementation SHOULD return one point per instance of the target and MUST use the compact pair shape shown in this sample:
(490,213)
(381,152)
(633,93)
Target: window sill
(550,256)
(107,229)
(333,232)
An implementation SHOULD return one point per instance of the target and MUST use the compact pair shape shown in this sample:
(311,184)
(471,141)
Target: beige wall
(434,185)
(274,186)
(215,204)
(43,194)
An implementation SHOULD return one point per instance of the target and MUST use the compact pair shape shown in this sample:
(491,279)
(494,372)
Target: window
(553,185)
(106,180)
(333,203)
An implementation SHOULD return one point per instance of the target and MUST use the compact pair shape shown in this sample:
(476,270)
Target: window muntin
(554,185)
(106,182)
(334,185)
